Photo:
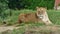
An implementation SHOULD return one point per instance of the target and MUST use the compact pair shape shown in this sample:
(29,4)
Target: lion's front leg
(46,20)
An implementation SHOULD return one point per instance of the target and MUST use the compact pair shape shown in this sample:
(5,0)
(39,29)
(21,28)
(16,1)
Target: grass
(54,16)
(33,29)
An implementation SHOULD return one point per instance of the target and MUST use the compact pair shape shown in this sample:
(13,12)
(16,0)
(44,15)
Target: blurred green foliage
(30,4)
(8,14)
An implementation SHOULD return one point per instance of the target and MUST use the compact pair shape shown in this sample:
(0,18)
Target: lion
(42,14)
(38,16)
(29,17)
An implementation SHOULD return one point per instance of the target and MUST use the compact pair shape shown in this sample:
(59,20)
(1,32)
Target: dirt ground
(34,29)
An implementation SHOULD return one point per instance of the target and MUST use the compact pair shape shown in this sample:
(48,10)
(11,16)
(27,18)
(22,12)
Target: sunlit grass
(54,16)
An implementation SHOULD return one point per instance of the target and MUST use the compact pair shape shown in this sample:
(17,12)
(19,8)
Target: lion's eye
(39,12)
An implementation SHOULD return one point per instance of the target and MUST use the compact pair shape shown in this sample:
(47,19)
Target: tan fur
(42,14)
(39,15)
(29,17)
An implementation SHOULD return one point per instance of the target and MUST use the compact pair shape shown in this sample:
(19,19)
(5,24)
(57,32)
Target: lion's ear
(45,8)
(37,7)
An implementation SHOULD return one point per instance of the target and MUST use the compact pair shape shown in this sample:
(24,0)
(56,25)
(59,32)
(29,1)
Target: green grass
(54,16)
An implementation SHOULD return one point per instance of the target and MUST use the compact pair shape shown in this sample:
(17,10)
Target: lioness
(42,14)
(39,15)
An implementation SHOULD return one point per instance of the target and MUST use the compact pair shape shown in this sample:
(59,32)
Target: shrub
(31,4)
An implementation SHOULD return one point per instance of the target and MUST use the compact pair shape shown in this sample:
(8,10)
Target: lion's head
(42,14)
(40,11)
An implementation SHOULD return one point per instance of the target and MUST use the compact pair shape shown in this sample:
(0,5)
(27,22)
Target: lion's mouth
(40,16)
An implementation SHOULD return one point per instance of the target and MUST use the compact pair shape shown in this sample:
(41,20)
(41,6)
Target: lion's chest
(43,17)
